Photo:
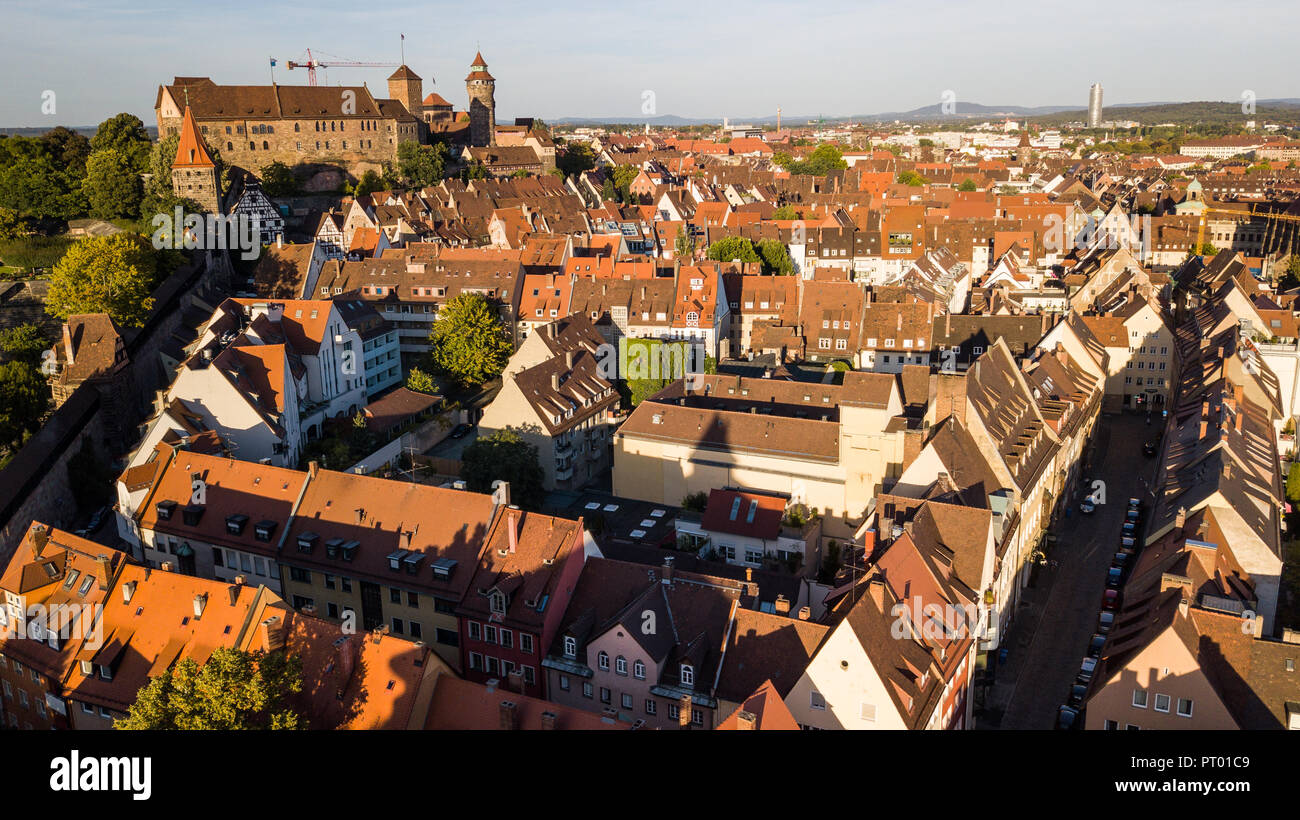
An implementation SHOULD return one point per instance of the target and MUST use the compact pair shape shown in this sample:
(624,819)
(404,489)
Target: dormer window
(191,514)
(307,541)
(235,524)
(497,601)
(263,530)
(688,675)
(165,509)
(570,647)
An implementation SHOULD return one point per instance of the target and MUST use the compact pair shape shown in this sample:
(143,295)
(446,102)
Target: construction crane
(1271,217)
(312,64)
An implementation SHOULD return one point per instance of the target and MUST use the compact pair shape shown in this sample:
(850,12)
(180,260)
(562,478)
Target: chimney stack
(668,571)
(200,601)
(509,716)
(876,588)
(555,381)
(128,589)
(684,712)
(746,720)
(1180,520)
(548,720)
(273,629)
(512,527)
(40,537)
(569,358)
(104,569)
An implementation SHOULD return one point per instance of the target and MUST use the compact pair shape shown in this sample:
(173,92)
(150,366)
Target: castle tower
(481,87)
(407,88)
(194,174)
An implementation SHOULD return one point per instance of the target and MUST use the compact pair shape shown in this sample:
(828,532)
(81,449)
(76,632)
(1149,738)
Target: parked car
(95,521)
(1077,693)
(1110,599)
(1105,621)
(1128,542)
(1150,449)
(1087,507)
(1119,562)
(1129,529)
(1066,718)
(1134,504)
(460,430)
(1085,670)
(1095,645)
(1132,515)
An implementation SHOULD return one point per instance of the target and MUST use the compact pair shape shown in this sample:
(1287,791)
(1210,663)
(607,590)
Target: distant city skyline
(833,59)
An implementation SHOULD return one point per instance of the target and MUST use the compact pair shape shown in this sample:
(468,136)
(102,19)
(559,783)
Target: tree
(1293,483)
(24,398)
(776,259)
(24,343)
(278,180)
(112,185)
(684,246)
(911,178)
(105,274)
(475,170)
(504,456)
(1292,277)
(420,166)
(35,188)
(967,184)
(125,133)
(233,689)
(420,382)
(11,225)
(576,158)
(624,176)
(733,247)
(68,149)
(785,212)
(470,345)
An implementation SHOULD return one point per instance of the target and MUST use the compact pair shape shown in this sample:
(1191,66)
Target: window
(475,661)
(329,581)
(1140,698)
(620,665)
(626,701)
(398,626)
(638,670)
(564,683)
(674,711)
(816,701)
(1184,707)
(1162,703)
(412,599)
(507,638)
(570,647)
(525,643)
(586,689)
(605,695)
(490,634)
(416,630)
(688,675)
(300,576)
(475,631)
(394,595)
(651,707)
(841,344)
(602,660)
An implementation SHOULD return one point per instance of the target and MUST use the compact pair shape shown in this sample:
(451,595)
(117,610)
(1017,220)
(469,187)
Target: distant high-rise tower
(1094,106)
(194,174)
(481,87)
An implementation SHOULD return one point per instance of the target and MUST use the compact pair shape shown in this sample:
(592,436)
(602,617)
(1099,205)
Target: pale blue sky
(701,58)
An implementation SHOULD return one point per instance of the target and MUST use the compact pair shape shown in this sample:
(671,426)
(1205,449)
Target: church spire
(191,152)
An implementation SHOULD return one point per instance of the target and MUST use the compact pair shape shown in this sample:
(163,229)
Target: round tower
(481,87)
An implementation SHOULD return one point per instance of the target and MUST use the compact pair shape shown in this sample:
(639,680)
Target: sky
(703,58)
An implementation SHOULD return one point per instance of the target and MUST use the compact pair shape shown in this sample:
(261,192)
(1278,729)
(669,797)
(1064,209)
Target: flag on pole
(272,62)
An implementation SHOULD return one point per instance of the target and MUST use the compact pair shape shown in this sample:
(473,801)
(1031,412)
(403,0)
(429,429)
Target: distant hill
(85,130)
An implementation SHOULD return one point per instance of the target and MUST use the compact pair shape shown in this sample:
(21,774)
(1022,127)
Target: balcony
(564,473)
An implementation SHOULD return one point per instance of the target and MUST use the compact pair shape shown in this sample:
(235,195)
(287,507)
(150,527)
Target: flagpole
(403,49)
(272,59)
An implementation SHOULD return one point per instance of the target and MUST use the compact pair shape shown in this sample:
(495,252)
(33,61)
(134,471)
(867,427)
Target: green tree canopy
(420,382)
(11,224)
(420,166)
(575,158)
(125,133)
(504,456)
(24,398)
(822,160)
(232,690)
(105,274)
(776,259)
(470,345)
(278,180)
(733,247)
(368,184)
(68,149)
(35,188)
(911,178)
(967,184)
(785,212)
(24,343)
(113,185)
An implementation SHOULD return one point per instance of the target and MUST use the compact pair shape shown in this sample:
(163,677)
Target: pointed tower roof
(404,72)
(478,61)
(191,152)
(478,69)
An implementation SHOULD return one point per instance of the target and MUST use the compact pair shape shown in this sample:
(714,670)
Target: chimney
(805,613)
(273,629)
(361,515)
(1203,428)
(749,574)
(309,610)
(569,358)
(509,716)
(166,566)
(40,537)
(1227,469)
(746,720)
(876,588)
(312,469)
(782,606)
(1180,520)
(512,527)
(103,569)
(684,712)
(128,589)
(492,684)
(200,601)
(548,721)
(555,381)
(668,570)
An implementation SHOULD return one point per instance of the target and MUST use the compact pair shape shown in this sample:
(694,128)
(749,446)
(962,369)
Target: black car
(460,431)
(1066,717)
(1113,577)
(1151,448)
(1095,645)
(1077,694)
